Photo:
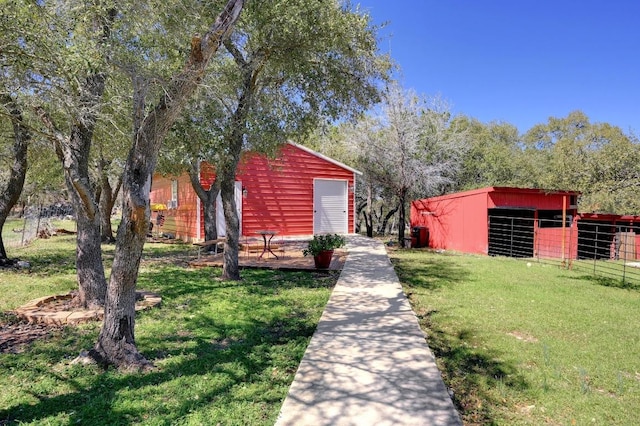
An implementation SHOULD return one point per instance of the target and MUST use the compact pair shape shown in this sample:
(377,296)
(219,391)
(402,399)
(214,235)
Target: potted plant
(321,248)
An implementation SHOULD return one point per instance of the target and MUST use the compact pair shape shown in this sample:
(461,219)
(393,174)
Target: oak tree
(288,66)
(116,342)
(11,183)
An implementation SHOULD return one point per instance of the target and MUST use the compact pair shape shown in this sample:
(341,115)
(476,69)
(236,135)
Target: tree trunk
(385,220)
(11,192)
(211,213)
(116,342)
(227,177)
(368,220)
(230,268)
(401,218)
(378,218)
(106,202)
(227,171)
(92,284)
(74,155)
(360,212)
(208,198)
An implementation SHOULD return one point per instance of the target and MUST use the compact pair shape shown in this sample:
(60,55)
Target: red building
(520,222)
(495,220)
(300,192)
(606,236)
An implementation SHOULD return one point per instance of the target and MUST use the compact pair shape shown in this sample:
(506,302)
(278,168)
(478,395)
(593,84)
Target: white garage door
(330,206)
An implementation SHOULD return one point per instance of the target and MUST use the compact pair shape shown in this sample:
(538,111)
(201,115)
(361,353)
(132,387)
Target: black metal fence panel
(605,250)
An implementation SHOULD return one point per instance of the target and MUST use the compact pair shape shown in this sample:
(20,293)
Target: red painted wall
(460,221)
(180,221)
(548,242)
(279,192)
(532,198)
(455,222)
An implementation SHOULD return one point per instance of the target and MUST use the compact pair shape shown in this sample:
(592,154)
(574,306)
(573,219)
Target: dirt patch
(40,318)
(525,337)
(16,334)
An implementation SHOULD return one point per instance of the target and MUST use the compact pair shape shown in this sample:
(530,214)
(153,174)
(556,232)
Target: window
(173,203)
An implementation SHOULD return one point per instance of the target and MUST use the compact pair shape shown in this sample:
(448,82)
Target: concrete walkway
(368,362)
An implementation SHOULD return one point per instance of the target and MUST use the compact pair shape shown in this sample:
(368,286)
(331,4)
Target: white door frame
(220,222)
(344,183)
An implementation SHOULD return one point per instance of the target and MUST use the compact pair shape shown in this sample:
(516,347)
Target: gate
(511,232)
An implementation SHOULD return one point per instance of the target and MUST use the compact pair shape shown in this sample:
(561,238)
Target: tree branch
(54,135)
(235,52)
(158,122)
(194,177)
(59,140)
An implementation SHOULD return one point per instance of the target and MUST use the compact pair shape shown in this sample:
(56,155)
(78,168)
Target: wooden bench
(206,244)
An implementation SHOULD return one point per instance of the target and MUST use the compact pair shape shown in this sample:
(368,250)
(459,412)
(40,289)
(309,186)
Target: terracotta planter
(323,259)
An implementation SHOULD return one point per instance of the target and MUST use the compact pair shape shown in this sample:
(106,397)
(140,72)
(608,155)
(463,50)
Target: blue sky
(519,61)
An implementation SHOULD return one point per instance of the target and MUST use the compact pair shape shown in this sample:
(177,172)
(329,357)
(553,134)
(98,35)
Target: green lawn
(527,343)
(225,352)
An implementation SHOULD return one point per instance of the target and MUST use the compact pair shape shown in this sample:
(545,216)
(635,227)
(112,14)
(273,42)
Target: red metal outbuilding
(299,192)
(520,222)
(497,220)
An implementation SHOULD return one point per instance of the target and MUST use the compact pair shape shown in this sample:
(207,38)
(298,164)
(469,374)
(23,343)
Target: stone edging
(36,312)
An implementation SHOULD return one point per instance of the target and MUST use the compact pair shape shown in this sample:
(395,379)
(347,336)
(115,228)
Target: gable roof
(324,157)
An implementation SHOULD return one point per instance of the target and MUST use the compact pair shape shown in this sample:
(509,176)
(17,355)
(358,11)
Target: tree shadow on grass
(205,358)
(610,282)
(233,362)
(428,273)
(57,262)
(604,281)
(472,373)
(174,282)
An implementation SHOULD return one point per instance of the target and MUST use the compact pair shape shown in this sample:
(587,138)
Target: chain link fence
(38,221)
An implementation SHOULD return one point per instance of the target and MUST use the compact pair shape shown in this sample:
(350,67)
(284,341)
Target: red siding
(280,191)
(455,223)
(181,221)
(160,190)
(460,221)
(532,198)
(548,242)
